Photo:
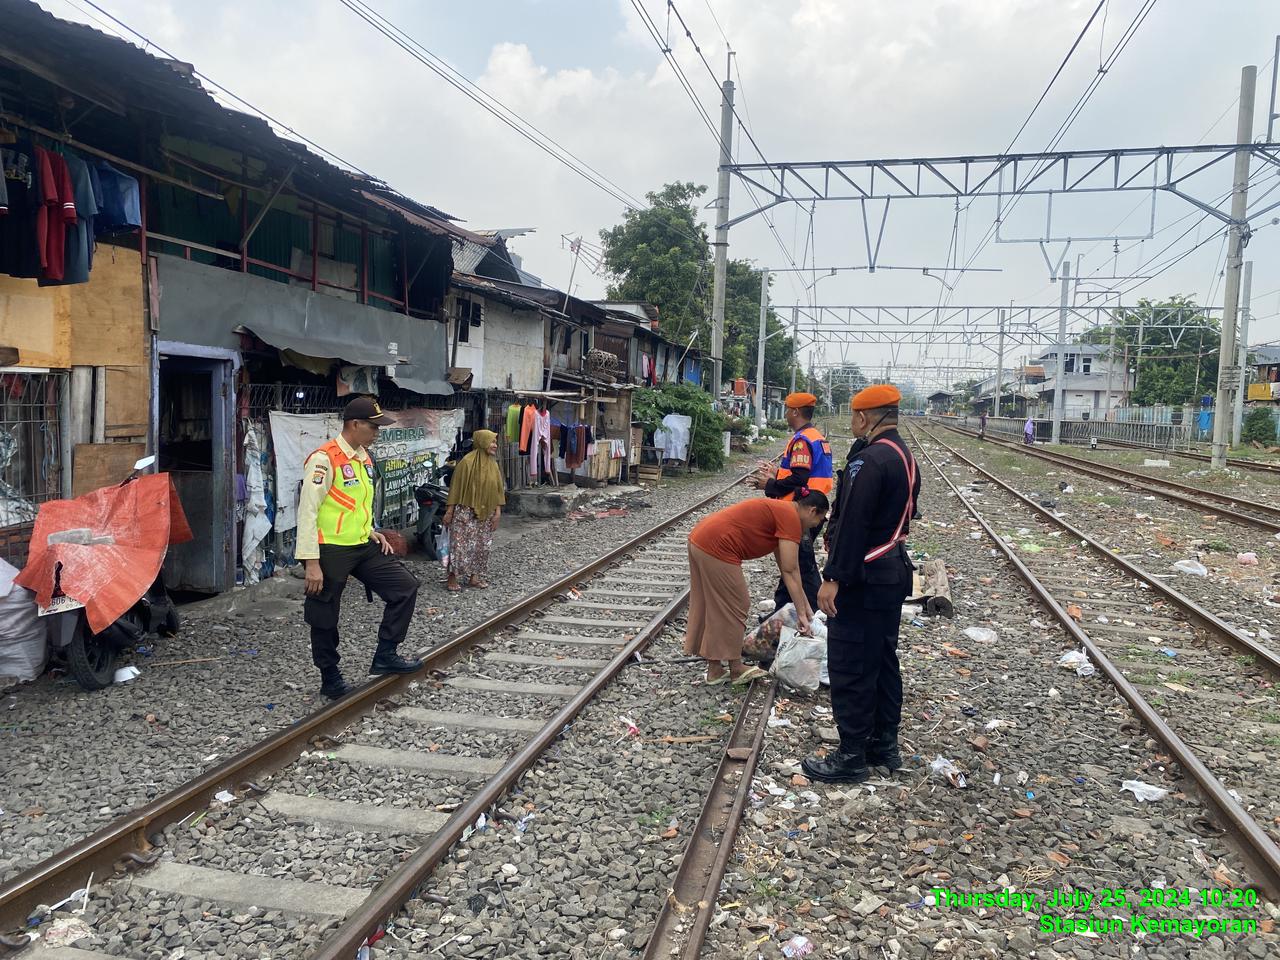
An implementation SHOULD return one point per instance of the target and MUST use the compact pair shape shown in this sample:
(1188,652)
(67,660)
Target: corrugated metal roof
(123,79)
(467,255)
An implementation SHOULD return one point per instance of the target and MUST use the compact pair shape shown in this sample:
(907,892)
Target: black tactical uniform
(875,499)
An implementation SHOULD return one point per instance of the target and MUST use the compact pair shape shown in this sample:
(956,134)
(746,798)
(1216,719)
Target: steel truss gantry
(999,176)
(967,325)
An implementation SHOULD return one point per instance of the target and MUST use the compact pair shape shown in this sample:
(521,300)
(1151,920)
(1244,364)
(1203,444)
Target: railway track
(412,764)
(1239,463)
(1236,509)
(1201,688)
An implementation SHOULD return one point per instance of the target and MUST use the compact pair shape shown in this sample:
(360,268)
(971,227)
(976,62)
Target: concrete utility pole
(795,345)
(1237,420)
(999,366)
(1235,254)
(764,315)
(1060,391)
(1111,364)
(721,243)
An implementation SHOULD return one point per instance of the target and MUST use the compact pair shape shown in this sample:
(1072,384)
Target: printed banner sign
(404,452)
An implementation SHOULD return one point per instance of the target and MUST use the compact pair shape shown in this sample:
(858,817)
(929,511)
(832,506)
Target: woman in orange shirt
(719,600)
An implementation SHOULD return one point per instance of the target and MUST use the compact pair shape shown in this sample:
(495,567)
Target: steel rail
(128,837)
(1258,849)
(1205,619)
(697,881)
(1257,466)
(1178,492)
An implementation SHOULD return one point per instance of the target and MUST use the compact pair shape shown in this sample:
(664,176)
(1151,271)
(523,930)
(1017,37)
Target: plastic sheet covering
(256,522)
(110,543)
(22,642)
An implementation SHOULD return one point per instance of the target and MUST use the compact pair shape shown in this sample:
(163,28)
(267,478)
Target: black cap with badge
(366,408)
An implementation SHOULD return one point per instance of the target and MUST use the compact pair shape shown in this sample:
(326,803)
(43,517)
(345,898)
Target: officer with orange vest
(806,465)
(336,540)
(866,579)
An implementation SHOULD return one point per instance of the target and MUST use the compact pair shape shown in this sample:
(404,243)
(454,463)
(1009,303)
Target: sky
(815,80)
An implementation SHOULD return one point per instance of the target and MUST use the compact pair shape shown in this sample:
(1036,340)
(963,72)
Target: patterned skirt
(469,543)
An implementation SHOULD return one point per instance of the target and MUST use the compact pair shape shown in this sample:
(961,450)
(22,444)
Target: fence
(1165,436)
(31,454)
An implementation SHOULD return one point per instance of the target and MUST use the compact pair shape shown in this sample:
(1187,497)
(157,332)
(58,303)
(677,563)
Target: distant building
(1093,385)
(940,402)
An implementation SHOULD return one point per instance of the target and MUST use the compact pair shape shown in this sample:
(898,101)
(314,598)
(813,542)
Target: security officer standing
(867,577)
(807,464)
(336,540)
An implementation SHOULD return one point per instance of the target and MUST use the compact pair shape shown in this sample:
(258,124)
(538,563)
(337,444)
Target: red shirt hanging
(58,210)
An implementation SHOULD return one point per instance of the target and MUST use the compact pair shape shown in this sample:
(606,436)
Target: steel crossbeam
(1000,176)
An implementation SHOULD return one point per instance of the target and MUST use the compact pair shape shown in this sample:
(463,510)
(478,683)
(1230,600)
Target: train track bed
(573,861)
(1259,487)
(1154,533)
(240,670)
(599,827)
(851,868)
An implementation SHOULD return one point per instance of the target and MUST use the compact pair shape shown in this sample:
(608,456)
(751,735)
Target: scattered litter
(1103,620)
(1066,488)
(869,904)
(125,674)
(224,796)
(1144,791)
(1169,652)
(1247,559)
(975,536)
(766,607)
(1022,777)
(799,661)
(1079,661)
(941,765)
(992,725)
(66,930)
(798,946)
(1155,463)
(981,634)
(969,711)
(1193,567)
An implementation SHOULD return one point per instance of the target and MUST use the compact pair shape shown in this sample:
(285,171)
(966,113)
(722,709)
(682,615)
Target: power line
(205,78)
(1072,115)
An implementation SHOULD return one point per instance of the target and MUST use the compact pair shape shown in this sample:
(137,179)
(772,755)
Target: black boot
(843,766)
(384,663)
(883,750)
(332,685)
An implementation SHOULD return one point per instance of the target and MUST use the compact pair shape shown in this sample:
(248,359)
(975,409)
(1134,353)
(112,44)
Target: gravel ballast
(1043,752)
(73,761)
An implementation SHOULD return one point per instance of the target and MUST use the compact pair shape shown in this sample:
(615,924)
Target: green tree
(650,405)
(661,255)
(1259,426)
(1178,359)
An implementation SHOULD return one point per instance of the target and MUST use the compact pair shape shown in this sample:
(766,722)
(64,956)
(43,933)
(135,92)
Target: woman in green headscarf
(476,496)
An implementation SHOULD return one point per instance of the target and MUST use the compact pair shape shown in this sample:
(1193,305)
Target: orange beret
(797,400)
(876,396)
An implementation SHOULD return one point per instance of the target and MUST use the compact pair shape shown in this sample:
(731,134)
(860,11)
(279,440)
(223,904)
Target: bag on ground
(799,661)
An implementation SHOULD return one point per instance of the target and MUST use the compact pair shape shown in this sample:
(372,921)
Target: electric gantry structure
(1195,174)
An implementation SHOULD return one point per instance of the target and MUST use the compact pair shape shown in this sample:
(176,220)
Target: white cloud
(824,79)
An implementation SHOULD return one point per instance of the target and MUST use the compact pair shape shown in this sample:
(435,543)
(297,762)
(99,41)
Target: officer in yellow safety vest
(806,465)
(336,540)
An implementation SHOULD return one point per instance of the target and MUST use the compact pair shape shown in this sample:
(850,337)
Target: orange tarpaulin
(110,543)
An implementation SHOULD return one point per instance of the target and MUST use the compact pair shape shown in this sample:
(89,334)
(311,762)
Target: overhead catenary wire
(205,78)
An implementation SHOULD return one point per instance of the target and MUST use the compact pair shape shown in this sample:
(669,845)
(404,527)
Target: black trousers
(862,653)
(384,575)
(810,576)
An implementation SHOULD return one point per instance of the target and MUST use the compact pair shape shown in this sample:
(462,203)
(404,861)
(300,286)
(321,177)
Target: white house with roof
(1092,383)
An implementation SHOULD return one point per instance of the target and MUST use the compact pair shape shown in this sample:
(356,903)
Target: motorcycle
(95,566)
(432,498)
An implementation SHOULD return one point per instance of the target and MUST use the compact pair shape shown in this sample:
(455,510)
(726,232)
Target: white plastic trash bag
(981,634)
(22,634)
(1193,567)
(1077,660)
(799,661)
(1144,791)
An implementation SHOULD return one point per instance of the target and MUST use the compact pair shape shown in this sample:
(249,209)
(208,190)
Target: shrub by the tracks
(1259,426)
(650,405)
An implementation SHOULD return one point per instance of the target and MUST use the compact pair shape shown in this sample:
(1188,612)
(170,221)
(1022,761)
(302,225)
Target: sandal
(453,587)
(477,584)
(718,681)
(748,675)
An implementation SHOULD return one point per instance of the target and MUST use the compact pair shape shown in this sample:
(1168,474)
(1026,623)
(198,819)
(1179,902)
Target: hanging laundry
(121,204)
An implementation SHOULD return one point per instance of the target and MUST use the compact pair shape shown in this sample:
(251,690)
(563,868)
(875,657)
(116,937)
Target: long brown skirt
(719,602)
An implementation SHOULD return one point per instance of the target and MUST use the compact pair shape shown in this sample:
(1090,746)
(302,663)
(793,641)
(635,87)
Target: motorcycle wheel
(91,659)
(171,622)
(427,541)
